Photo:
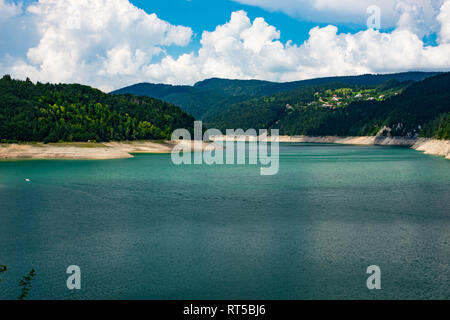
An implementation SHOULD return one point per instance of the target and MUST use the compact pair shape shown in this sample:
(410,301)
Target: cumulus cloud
(444,20)
(9,10)
(111,43)
(243,49)
(94,41)
(355,12)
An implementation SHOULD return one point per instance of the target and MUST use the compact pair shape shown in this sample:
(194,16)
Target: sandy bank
(123,150)
(385,141)
(429,146)
(85,151)
(433,146)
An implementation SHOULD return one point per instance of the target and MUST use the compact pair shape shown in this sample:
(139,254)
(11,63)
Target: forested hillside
(356,106)
(392,108)
(210,97)
(51,113)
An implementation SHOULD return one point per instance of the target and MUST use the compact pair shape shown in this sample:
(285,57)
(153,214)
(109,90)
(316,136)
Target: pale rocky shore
(85,151)
(123,150)
(428,146)
(433,146)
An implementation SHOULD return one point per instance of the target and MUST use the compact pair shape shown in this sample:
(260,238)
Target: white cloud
(9,9)
(244,50)
(111,43)
(444,20)
(354,12)
(99,42)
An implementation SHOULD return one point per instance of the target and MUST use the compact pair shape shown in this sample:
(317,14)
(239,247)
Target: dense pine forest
(52,113)
(207,98)
(392,108)
(354,107)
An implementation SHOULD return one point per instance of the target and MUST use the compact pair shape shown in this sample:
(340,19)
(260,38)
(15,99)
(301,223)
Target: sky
(109,44)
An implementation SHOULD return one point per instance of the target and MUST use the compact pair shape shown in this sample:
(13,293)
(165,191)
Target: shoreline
(88,151)
(428,146)
(125,150)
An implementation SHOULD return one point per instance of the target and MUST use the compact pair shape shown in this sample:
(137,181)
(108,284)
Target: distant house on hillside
(288,106)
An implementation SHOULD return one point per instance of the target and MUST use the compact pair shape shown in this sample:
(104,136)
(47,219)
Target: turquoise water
(144,228)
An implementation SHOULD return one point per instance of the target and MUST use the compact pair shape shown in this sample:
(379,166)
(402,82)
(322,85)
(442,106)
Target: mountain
(207,98)
(196,100)
(72,112)
(404,104)
(392,108)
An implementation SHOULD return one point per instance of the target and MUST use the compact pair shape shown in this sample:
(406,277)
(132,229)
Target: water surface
(144,228)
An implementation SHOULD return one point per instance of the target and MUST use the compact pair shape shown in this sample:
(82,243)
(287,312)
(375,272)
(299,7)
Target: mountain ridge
(408,109)
(207,97)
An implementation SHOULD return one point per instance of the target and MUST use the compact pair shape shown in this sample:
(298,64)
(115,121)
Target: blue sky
(113,43)
(205,15)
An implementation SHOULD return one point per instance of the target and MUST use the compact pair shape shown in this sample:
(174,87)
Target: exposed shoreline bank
(124,150)
(428,146)
(87,151)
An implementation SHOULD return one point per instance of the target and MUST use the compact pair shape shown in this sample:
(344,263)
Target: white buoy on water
(27,180)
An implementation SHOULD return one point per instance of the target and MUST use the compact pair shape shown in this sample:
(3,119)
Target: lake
(144,228)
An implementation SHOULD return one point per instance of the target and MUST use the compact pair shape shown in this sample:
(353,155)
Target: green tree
(52,113)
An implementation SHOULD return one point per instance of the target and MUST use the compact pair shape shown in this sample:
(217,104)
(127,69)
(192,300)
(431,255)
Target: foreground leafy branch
(25,284)
(2,270)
